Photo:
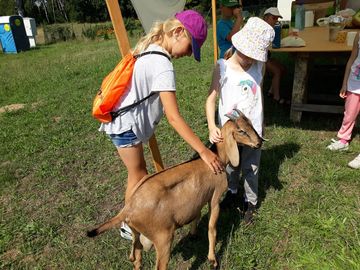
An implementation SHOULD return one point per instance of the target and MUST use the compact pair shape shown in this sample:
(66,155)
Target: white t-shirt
(241,90)
(152,73)
(353,83)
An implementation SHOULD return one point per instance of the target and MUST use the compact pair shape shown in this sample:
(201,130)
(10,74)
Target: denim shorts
(125,139)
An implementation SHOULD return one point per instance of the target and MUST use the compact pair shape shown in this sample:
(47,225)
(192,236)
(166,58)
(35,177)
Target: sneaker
(249,214)
(338,146)
(146,242)
(229,200)
(125,231)
(355,163)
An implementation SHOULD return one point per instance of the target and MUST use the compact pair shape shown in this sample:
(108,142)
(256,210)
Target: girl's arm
(168,99)
(354,53)
(210,107)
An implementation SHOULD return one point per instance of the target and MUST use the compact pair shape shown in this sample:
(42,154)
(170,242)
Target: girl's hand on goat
(212,160)
(215,135)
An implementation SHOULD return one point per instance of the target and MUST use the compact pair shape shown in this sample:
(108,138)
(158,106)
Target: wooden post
(213,7)
(299,94)
(119,26)
(124,46)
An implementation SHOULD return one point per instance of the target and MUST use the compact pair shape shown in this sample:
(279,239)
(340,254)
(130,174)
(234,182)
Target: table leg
(299,85)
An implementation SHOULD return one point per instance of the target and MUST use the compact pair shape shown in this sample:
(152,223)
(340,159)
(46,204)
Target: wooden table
(317,41)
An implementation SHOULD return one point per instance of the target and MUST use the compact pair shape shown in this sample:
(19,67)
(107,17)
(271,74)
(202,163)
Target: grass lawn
(59,176)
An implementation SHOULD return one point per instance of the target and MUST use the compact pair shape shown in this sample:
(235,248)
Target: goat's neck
(220,149)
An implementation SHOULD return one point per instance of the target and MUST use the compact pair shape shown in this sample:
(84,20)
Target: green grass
(59,176)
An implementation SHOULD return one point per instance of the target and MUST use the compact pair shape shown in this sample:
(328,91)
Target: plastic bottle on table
(277,39)
(300,15)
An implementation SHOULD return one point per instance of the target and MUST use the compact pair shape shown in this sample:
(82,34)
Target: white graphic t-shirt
(242,91)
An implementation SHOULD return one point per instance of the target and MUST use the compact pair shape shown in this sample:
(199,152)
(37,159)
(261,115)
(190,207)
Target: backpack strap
(129,107)
(152,52)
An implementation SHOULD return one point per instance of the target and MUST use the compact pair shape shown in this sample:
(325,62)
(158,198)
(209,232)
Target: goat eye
(242,132)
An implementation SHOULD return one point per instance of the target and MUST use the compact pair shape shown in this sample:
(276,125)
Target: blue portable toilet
(13,36)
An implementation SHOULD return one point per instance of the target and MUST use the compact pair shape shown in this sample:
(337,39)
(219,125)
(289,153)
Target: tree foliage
(79,10)
(58,11)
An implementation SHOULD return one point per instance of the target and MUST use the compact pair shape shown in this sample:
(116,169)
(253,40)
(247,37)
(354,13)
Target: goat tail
(107,225)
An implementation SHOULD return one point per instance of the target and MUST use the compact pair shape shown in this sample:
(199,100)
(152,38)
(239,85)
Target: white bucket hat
(254,39)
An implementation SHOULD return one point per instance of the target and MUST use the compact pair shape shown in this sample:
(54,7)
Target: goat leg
(136,249)
(162,244)
(193,225)
(214,215)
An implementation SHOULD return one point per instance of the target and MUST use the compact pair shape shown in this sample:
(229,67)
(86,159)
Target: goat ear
(232,151)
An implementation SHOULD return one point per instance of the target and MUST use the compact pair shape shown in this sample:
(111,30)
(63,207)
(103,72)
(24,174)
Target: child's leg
(233,176)
(352,108)
(250,161)
(133,158)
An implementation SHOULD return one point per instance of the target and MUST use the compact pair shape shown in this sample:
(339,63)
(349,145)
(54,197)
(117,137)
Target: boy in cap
(230,23)
(237,81)
(271,16)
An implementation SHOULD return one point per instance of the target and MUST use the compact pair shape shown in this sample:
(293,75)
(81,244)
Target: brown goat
(167,200)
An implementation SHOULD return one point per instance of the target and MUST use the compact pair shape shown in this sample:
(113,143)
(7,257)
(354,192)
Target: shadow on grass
(271,160)
(198,246)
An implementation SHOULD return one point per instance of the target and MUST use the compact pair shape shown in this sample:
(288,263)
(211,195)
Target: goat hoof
(214,264)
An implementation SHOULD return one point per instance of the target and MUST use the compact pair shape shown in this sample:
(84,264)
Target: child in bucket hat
(153,84)
(254,39)
(237,81)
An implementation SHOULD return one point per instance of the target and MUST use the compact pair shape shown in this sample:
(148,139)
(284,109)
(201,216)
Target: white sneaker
(355,163)
(338,146)
(146,242)
(125,231)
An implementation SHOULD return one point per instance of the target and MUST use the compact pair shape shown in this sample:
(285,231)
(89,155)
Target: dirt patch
(282,245)
(17,106)
(10,255)
(5,164)
(12,107)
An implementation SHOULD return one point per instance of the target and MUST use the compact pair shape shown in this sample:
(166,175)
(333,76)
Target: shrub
(58,32)
(98,31)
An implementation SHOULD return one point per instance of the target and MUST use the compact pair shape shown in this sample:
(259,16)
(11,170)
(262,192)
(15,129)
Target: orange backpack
(114,86)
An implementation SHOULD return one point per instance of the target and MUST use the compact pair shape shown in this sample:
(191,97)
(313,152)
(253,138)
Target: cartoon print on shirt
(248,97)
(357,72)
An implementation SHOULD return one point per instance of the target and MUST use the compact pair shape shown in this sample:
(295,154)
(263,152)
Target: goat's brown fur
(167,200)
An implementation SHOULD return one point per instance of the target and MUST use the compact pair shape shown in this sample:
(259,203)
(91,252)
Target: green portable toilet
(13,36)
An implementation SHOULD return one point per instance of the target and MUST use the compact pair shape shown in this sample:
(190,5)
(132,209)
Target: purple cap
(196,25)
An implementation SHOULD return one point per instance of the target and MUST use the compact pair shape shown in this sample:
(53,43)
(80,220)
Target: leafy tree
(7,7)
(51,11)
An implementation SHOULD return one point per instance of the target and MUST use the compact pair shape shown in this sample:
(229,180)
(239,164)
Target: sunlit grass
(59,176)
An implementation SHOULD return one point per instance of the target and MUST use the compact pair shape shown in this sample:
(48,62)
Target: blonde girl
(180,36)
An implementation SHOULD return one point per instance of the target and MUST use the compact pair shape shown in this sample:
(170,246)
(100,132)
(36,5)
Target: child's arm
(214,131)
(237,13)
(354,53)
(168,99)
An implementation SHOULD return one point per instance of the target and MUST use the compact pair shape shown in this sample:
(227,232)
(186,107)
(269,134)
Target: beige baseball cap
(273,11)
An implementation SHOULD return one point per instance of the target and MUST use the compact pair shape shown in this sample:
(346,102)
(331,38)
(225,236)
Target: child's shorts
(125,139)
